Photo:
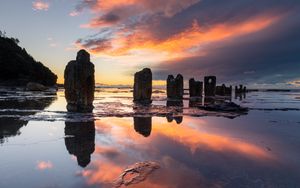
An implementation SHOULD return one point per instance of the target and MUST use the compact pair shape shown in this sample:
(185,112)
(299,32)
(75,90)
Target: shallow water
(44,146)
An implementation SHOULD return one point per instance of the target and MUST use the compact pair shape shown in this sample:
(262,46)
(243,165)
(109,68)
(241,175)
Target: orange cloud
(180,45)
(104,172)
(169,7)
(185,135)
(74,13)
(109,12)
(43,165)
(40,5)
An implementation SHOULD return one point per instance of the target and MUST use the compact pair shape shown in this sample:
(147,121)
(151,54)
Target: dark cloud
(269,56)
(110,18)
(92,44)
(85,4)
(211,12)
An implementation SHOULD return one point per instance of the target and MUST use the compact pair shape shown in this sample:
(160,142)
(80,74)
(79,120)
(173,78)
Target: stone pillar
(175,87)
(142,89)
(210,86)
(196,88)
(80,83)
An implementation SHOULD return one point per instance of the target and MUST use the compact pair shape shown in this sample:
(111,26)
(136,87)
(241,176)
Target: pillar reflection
(143,125)
(80,140)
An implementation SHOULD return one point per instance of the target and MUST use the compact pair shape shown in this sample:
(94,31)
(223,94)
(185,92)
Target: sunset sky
(239,41)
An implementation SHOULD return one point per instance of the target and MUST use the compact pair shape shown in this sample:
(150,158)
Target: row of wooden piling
(143,87)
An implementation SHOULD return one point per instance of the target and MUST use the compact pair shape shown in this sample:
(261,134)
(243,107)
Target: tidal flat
(43,145)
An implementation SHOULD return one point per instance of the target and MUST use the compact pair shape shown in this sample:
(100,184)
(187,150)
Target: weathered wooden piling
(223,90)
(80,83)
(195,88)
(142,89)
(241,89)
(210,86)
(175,87)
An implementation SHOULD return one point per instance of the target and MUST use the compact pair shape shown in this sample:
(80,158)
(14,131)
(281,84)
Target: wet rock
(175,87)
(80,140)
(80,83)
(210,86)
(143,125)
(158,91)
(196,88)
(142,89)
(224,107)
(136,173)
(31,86)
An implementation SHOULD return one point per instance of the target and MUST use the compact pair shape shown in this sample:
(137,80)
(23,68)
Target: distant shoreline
(61,86)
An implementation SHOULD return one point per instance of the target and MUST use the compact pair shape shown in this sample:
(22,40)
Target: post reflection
(80,140)
(209,100)
(143,125)
(240,96)
(195,102)
(178,109)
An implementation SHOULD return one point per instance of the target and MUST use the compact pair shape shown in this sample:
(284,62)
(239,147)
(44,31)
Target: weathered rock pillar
(80,83)
(142,89)
(210,86)
(175,87)
(196,88)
